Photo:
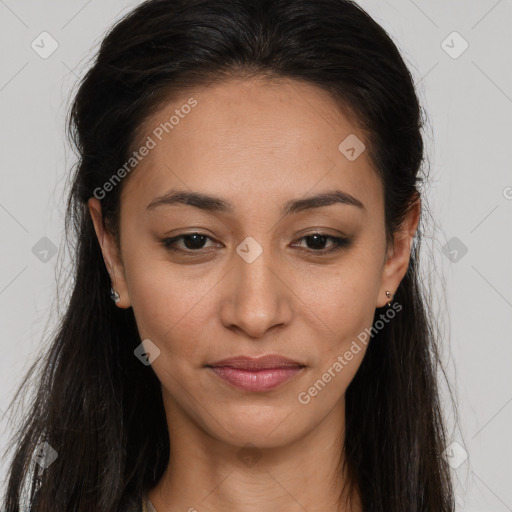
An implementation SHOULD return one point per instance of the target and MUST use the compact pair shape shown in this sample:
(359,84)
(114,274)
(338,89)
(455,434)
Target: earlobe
(399,254)
(111,257)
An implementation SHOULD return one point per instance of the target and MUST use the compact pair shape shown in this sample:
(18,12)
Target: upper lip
(257,363)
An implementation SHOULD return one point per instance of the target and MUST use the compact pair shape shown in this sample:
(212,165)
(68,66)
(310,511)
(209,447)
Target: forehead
(265,139)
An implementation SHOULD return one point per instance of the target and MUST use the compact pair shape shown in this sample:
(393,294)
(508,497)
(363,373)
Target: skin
(256,144)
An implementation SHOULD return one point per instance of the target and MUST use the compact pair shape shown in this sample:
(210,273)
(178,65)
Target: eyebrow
(216,204)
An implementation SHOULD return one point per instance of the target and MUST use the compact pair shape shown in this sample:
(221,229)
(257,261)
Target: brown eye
(192,242)
(317,241)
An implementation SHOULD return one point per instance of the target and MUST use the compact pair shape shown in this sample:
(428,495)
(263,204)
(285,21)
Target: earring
(114,295)
(388,295)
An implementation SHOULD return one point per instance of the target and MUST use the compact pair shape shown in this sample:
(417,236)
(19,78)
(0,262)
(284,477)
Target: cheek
(343,297)
(339,310)
(169,307)
(173,304)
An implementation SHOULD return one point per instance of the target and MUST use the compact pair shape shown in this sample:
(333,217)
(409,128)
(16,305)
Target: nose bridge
(253,266)
(258,299)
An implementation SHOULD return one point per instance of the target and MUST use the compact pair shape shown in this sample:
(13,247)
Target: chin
(264,427)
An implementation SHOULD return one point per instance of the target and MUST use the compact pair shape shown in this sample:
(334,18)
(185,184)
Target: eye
(318,241)
(193,242)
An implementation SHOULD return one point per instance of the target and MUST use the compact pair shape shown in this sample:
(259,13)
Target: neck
(210,475)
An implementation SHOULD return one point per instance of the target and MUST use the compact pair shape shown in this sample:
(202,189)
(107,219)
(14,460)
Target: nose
(256,296)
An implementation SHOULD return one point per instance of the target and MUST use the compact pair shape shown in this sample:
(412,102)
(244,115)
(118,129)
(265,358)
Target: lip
(256,374)
(266,362)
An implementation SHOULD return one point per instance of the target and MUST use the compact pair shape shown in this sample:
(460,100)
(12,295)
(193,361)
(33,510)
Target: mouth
(256,374)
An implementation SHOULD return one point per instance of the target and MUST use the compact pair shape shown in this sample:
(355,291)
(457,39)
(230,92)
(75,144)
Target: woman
(247,194)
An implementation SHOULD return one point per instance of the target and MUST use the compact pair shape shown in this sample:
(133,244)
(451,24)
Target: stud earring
(114,295)
(389,296)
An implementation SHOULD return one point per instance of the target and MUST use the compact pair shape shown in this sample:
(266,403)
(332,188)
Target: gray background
(468,97)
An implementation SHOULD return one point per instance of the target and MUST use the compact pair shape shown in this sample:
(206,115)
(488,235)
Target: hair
(96,405)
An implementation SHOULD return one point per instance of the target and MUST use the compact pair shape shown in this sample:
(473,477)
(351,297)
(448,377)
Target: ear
(398,254)
(111,253)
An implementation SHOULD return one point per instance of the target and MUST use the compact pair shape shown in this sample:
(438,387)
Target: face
(261,269)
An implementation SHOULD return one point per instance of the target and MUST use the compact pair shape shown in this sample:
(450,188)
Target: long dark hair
(96,405)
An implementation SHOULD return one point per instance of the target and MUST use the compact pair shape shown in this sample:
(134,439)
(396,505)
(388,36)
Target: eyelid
(337,240)
(339,243)
(168,241)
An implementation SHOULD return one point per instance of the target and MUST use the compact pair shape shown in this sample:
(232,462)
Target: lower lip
(256,380)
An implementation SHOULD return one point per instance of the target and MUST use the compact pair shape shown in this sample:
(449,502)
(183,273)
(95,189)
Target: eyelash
(338,244)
